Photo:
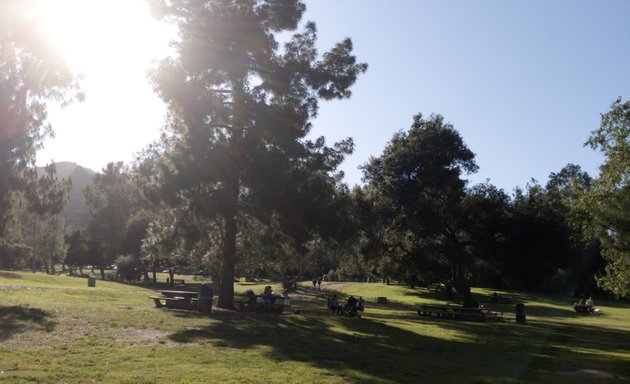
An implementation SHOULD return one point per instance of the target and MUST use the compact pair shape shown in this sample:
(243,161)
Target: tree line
(237,187)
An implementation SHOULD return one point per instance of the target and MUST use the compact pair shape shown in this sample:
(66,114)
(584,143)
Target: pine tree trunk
(226,293)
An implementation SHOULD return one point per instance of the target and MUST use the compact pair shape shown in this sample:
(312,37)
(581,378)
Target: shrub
(129,268)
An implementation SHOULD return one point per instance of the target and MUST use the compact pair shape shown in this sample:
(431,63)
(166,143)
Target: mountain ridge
(76,212)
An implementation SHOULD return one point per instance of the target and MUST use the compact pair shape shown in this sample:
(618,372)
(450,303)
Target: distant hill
(76,213)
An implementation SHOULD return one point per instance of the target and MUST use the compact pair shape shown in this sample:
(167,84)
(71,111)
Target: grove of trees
(237,186)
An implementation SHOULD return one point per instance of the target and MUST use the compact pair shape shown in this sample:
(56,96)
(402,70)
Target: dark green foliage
(240,111)
(111,200)
(417,190)
(77,251)
(609,199)
(129,267)
(31,73)
(13,255)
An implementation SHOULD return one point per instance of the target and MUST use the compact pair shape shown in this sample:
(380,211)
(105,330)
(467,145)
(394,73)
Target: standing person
(314,283)
(319,283)
(334,306)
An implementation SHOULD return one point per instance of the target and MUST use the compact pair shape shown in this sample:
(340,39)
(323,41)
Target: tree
(613,224)
(51,248)
(77,248)
(111,200)
(31,73)
(417,188)
(610,193)
(240,109)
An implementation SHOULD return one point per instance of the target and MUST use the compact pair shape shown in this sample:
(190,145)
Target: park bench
(582,308)
(170,302)
(176,299)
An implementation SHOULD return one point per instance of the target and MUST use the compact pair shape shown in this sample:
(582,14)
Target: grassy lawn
(54,329)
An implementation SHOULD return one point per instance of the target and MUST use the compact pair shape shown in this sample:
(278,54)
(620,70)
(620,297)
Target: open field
(54,329)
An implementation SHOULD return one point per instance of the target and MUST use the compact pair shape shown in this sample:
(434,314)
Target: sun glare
(99,34)
(112,43)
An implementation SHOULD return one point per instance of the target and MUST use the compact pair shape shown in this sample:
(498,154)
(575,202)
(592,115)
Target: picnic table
(584,308)
(458,313)
(176,299)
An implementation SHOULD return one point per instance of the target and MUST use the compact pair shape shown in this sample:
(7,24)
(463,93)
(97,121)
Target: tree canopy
(31,73)
(240,110)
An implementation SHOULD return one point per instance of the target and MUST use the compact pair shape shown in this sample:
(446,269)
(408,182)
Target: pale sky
(524,82)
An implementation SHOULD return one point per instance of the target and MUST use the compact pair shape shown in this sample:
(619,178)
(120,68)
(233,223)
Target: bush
(129,268)
(13,255)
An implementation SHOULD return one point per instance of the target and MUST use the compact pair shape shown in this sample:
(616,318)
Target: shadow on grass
(318,341)
(374,349)
(18,319)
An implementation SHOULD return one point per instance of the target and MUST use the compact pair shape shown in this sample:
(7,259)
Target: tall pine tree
(240,110)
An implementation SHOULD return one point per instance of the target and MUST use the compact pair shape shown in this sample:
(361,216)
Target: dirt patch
(593,373)
(142,337)
(10,275)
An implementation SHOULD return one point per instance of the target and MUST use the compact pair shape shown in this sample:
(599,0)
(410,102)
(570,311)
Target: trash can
(204,303)
(91,281)
(520,313)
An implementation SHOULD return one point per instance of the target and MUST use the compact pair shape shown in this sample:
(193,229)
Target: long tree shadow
(548,346)
(352,348)
(18,319)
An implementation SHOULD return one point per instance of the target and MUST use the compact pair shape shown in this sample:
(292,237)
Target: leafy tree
(417,187)
(51,247)
(129,267)
(46,198)
(569,192)
(240,110)
(538,241)
(31,73)
(111,200)
(13,255)
(610,194)
(77,244)
(486,210)
(613,228)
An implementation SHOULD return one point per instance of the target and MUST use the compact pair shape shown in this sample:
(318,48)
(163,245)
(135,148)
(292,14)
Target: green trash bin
(91,281)
(204,302)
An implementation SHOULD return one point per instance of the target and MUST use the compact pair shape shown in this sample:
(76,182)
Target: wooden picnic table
(176,299)
(583,308)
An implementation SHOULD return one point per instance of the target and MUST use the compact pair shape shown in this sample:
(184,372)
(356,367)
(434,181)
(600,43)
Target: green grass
(54,329)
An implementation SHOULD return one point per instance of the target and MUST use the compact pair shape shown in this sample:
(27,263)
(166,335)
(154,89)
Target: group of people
(352,307)
(588,303)
(317,282)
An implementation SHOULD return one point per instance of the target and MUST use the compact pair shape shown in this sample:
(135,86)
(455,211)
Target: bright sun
(99,34)
(112,43)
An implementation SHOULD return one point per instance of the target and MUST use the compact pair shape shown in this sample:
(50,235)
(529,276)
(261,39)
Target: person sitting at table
(351,306)
(359,305)
(589,302)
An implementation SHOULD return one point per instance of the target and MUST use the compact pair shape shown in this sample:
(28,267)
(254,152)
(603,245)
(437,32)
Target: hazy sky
(523,82)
